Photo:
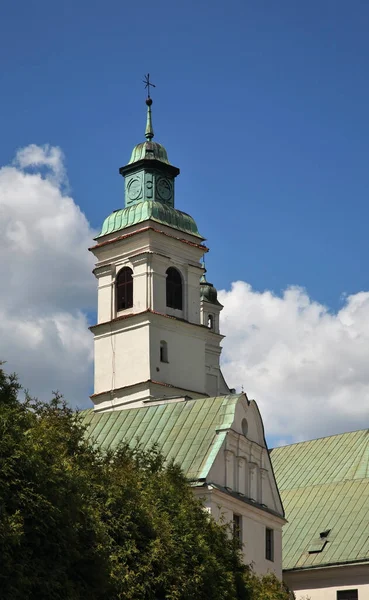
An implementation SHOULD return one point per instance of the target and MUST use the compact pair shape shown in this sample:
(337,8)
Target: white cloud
(47,156)
(306,367)
(45,270)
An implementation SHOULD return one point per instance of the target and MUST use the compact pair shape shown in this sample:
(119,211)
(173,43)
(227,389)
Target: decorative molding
(143,230)
(147,381)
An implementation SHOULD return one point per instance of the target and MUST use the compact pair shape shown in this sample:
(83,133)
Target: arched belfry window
(174,289)
(124,289)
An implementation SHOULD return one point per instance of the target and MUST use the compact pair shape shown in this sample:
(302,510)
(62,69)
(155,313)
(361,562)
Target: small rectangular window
(163,352)
(237,528)
(347,595)
(269,544)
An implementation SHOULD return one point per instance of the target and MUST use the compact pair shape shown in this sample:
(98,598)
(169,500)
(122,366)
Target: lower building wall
(323,584)
(254,523)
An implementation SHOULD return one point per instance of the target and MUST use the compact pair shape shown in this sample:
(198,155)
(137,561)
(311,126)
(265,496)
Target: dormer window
(124,289)
(174,289)
(318,544)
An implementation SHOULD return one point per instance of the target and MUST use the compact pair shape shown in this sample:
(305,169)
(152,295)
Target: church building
(157,358)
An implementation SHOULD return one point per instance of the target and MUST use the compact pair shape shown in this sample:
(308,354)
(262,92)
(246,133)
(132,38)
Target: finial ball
(148,101)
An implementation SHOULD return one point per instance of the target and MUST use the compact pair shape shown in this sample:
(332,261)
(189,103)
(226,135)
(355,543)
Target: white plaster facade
(241,482)
(324,583)
(128,369)
(254,522)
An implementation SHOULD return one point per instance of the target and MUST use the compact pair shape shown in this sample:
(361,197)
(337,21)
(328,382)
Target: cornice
(149,381)
(97,326)
(143,230)
(240,497)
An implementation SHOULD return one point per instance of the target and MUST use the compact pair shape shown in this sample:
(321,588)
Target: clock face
(164,189)
(134,188)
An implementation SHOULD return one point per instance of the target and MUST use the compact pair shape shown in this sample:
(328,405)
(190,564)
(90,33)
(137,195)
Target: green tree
(78,523)
(267,587)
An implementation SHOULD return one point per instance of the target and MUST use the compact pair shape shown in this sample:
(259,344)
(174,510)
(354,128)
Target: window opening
(174,289)
(347,595)
(237,528)
(124,289)
(210,321)
(163,352)
(245,427)
(269,544)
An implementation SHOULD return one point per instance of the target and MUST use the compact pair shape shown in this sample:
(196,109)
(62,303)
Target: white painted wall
(254,522)
(122,355)
(323,584)
(129,353)
(186,354)
(243,464)
(149,254)
(206,309)
(243,470)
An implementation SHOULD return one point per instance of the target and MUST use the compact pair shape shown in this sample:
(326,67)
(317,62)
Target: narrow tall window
(269,544)
(163,352)
(237,528)
(174,289)
(124,289)
(210,321)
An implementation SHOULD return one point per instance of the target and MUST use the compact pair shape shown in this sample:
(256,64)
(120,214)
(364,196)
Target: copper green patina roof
(155,211)
(324,485)
(190,432)
(207,291)
(149,151)
(151,158)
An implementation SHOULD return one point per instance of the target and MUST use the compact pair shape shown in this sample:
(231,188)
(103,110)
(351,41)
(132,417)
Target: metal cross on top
(148,83)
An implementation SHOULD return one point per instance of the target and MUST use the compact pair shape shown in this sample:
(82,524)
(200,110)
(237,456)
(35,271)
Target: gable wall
(243,465)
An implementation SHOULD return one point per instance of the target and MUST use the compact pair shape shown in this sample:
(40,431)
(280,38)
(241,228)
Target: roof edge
(335,565)
(242,498)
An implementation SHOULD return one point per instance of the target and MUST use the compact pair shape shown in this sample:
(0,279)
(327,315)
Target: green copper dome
(149,150)
(149,189)
(155,211)
(207,291)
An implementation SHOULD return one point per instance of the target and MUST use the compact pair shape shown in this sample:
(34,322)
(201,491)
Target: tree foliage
(78,523)
(267,587)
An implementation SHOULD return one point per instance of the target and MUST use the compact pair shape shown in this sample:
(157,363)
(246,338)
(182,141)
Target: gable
(242,465)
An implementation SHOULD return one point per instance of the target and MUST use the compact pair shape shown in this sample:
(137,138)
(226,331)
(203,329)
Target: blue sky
(263,106)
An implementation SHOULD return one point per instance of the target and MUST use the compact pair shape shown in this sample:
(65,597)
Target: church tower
(157,334)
